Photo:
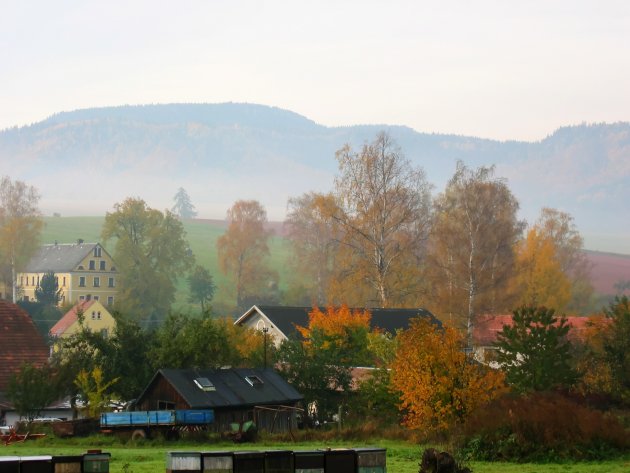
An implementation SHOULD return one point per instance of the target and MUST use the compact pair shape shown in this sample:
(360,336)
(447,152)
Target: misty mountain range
(85,161)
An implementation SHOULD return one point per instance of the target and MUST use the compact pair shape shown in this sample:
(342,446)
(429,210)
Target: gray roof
(231,388)
(59,257)
(390,320)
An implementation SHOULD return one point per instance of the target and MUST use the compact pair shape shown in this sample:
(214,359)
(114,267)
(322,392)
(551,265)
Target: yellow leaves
(439,383)
(540,280)
(94,388)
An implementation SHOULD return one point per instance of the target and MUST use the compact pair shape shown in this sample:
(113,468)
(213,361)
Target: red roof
(20,342)
(488,326)
(70,317)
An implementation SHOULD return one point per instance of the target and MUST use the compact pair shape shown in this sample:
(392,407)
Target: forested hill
(85,161)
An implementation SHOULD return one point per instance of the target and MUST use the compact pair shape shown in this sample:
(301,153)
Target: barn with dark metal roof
(235,395)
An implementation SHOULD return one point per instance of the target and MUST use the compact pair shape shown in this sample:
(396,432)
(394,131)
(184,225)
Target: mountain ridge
(92,158)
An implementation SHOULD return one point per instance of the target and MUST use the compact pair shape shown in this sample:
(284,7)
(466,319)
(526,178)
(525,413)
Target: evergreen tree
(534,351)
(48,292)
(183,207)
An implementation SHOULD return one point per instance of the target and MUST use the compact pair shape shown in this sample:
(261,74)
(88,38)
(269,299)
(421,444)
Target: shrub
(542,427)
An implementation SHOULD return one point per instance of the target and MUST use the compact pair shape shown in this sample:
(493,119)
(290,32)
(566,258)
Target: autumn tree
(534,350)
(151,252)
(313,236)
(20,226)
(383,212)
(560,228)
(439,383)
(200,286)
(472,246)
(539,279)
(347,329)
(243,250)
(183,207)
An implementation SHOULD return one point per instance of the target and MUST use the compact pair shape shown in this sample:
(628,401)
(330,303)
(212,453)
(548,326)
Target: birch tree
(472,245)
(384,213)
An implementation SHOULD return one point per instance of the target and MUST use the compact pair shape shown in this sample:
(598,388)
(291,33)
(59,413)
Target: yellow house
(88,314)
(84,271)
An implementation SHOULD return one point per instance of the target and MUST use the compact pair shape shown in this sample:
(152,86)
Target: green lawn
(401,457)
(202,237)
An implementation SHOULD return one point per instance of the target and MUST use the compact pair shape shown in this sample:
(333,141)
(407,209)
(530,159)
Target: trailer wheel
(138,434)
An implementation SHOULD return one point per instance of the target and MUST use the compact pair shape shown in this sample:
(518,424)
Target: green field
(401,457)
(202,237)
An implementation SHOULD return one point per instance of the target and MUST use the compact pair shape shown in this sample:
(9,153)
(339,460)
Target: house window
(26,298)
(97,281)
(64,281)
(92,264)
(204,384)
(22,280)
(110,300)
(32,280)
(81,298)
(96,298)
(82,281)
(97,251)
(165,405)
(93,315)
(101,265)
(104,332)
(254,380)
(98,315)
(110,282)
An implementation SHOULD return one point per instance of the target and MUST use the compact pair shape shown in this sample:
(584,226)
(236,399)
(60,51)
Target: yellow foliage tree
(95,390)
(439,383)
(539,279)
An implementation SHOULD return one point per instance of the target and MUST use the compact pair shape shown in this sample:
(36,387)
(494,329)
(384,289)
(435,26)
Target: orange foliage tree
(344,328)
(438,382)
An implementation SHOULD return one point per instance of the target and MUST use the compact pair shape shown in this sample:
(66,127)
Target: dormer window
(254,380)
(204,384)
(97,251)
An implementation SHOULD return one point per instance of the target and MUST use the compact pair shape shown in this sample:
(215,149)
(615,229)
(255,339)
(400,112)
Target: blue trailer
(142,424)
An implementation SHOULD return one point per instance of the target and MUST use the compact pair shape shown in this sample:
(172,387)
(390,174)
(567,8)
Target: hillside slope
(85,161)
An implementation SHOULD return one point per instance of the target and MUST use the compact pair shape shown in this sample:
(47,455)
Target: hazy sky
(496,69)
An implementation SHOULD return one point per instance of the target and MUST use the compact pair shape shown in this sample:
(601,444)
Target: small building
(281,321)
(91,315)
(84,271)
(235,395)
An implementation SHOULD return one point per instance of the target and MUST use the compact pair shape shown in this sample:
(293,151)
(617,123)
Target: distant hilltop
(85,161)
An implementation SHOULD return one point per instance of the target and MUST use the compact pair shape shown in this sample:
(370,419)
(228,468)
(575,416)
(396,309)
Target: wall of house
(80,283)
(96,318)
(257,322)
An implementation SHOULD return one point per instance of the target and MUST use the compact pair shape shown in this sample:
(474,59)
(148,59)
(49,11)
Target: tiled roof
(488,326)
(231,388)
(59,257)
(389,320)
(70,317)
(20,342)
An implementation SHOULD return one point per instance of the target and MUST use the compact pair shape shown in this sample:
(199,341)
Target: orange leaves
(439,383)
(335,321)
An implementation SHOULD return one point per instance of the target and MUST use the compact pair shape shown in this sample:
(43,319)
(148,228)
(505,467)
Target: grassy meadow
(202,236)
(402,457)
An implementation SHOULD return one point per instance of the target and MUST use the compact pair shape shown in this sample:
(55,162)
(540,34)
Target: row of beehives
(93,461)
(356,460)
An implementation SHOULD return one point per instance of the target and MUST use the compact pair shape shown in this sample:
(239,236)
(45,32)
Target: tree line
(380,238)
